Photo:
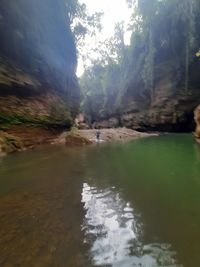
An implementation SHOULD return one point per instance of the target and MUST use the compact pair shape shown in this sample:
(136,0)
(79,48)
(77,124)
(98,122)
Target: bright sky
(114,11)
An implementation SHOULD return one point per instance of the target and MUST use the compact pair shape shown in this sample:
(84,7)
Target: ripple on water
(113,232)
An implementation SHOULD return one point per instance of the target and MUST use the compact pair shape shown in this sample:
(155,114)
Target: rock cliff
(172,108)
(197,121)
(38,84)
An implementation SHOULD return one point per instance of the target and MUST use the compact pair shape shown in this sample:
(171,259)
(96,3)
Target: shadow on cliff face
(40,35)
(38,84)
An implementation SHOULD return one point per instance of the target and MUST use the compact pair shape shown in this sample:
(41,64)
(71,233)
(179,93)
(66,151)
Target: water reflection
(113,231)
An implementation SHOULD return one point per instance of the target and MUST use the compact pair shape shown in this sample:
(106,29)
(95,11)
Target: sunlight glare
(114,11)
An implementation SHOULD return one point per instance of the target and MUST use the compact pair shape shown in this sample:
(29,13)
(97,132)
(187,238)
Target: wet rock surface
(197,121)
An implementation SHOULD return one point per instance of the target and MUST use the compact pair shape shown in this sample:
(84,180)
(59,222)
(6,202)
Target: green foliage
(82,23)
(102,82)
(164,33)
(12,120)
(7,120)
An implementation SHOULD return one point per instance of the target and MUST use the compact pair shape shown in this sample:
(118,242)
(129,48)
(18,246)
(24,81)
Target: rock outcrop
(9,143)
(173,114)
(110,123)
(80,122)
(38,84)
(170,111)
(172,107)
(197,121)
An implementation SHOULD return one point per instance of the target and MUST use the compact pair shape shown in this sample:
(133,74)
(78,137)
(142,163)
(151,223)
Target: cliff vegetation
(153,83)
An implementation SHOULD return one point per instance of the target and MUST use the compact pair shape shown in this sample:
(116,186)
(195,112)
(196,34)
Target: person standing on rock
(98,133)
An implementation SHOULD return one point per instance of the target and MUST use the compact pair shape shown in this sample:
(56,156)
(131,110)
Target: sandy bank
(22,138)
(83,137)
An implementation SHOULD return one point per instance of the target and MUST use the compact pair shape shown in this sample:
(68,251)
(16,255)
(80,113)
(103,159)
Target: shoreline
(107,135)
(22,138)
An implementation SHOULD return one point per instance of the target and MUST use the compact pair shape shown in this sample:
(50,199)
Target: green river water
(122,205)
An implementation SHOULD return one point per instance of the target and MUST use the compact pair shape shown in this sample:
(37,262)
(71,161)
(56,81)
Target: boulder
(76,139)
(197,121)
(80,122)
(9,144)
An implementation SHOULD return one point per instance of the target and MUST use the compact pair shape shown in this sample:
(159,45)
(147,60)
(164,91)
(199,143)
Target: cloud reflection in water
(112,231)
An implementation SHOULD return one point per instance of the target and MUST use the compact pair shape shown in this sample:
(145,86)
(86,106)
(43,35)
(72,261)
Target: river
(121,205)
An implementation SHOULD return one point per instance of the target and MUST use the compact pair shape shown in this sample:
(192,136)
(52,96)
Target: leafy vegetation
(164,40)
(81,22)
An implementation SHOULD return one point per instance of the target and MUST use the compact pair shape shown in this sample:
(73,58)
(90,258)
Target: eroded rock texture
(197,121)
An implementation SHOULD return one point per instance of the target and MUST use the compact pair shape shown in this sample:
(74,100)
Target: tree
(188,9)
(82,23)
(164,41)
(102,81)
